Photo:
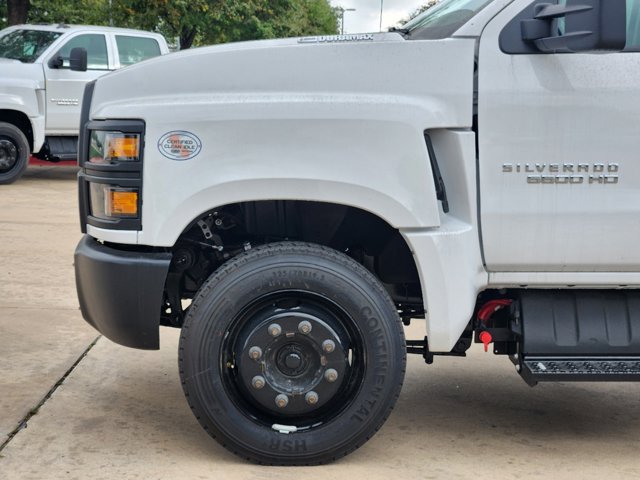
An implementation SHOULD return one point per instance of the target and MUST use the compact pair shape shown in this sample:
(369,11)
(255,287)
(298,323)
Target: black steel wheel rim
(292,358)
(9,154)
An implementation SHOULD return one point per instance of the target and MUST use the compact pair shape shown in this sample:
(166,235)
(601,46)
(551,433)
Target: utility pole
(381,9)
(342,10)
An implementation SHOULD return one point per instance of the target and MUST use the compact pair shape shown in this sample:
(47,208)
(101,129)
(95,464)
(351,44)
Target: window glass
(633,25)
(443,19)
(26,45)
(96,46)
(135,49)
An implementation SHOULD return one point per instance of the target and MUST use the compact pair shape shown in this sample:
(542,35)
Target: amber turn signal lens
(122,203)
(111,147)
(122,147)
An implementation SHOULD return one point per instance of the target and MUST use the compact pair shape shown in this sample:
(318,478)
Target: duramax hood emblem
(362,37)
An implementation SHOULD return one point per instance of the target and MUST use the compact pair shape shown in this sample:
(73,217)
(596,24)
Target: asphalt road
(120,413)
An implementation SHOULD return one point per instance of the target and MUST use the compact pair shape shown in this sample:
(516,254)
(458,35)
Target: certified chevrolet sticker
(179,145)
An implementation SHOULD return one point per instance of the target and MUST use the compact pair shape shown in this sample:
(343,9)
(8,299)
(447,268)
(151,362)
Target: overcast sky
(366,18)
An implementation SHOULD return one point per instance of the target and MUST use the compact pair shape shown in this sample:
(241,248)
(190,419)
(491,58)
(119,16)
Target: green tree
(311,17)
(89,12)
(183,19)
(260,19)
(198,22)
(195,22)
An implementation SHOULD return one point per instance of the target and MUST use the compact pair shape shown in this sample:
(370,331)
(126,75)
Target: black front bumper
(120,291)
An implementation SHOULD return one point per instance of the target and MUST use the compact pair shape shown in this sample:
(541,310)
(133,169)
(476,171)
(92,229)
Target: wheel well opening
(21,121)
(222,233)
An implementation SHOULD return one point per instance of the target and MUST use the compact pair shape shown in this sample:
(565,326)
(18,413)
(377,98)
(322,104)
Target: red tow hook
(485,313)
(486,338)
(491,307)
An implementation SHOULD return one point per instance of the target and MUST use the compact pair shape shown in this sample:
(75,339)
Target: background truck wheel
(292,354)
(14,153)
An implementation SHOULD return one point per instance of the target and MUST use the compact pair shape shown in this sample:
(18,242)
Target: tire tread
(298,248)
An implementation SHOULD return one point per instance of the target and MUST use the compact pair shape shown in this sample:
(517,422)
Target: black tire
(289,283)
(14,153)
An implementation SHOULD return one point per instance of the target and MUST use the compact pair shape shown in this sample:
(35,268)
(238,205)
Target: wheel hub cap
(294,363)
(8,154)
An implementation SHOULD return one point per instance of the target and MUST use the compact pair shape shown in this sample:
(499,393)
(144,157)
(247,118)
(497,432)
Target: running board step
(572,369)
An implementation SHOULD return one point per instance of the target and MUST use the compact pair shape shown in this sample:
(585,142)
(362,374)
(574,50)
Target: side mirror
(56,62)
(580,25)
(78,59)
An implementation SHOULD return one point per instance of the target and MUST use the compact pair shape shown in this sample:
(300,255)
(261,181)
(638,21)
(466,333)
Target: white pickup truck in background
(43,72)
(288,203)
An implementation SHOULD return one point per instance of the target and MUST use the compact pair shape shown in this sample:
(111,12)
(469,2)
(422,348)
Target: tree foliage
(195,22)
(86,12)
(257,19)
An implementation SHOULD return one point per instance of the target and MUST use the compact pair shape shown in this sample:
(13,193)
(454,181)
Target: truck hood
(227,66)
(433,77)
(16,73)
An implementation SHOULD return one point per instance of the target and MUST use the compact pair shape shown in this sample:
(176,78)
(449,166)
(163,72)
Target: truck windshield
(26,45)
(443,19)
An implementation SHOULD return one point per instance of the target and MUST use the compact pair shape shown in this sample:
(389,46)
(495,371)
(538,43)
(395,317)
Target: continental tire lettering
(380,365)
(290,275)
(367,406)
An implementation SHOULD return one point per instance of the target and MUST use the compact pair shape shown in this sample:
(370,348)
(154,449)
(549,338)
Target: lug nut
(255,353)
(275,330)
(282,400)
(328,346)
(257,382)
(304,327)
(311,398)
(331,375)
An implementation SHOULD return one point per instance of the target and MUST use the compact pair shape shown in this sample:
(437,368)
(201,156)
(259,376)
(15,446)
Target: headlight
(111,147)
(111,157)
(109,202)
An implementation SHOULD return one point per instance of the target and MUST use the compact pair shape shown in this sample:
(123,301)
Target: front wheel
(292,354)
(14,153)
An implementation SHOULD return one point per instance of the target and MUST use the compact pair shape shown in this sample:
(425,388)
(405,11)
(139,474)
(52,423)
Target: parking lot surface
(120,413)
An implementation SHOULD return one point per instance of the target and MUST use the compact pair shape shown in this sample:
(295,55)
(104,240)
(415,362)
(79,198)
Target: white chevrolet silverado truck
(43,72)
(288,204)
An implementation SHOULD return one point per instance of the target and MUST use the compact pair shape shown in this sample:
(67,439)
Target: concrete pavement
(41,332)
(120,413)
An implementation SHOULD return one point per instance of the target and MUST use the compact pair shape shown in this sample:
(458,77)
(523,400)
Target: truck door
(65,87)
(559,153)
